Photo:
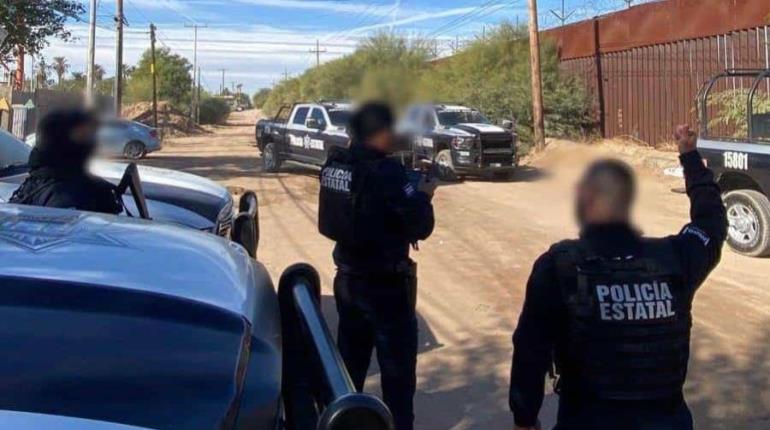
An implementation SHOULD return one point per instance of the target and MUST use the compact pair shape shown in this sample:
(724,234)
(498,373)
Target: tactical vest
(348,212)
(628,323)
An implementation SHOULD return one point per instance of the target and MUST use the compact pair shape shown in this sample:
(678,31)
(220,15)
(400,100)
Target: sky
(258,42)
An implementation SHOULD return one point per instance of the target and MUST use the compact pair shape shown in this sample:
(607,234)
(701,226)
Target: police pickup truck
(304,132)
(458,140)
(741,161)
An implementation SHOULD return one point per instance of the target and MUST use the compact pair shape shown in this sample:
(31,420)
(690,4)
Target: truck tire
(748,213)
(445,169)
(271,159)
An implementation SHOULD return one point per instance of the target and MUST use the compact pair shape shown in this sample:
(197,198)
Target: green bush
(729,110)
(214,111)
(260,97)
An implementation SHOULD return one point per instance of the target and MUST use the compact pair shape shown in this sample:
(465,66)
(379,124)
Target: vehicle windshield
(339,117)
(454,117)
(13,152)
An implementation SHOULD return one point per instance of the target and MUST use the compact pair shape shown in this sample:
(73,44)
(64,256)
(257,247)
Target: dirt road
(474,268)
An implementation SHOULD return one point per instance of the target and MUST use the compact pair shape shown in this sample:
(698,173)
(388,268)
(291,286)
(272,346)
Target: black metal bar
(306,333)
(761,75)
(336,375)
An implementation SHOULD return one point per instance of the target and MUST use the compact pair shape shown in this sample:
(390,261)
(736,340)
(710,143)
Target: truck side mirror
(314,124)
(507,124)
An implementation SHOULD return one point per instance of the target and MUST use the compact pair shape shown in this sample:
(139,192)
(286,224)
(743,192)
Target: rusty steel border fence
(642,78)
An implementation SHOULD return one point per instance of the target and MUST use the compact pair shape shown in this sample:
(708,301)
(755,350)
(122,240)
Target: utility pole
(198,97)
(317,51)
(628,3)
(194,95)
(537,84)
(562,16)
(285,73)
(154,73)
(91,55)
(222,87)
(119,20)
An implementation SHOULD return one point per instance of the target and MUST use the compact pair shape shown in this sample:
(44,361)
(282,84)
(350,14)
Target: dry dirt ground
(474,268)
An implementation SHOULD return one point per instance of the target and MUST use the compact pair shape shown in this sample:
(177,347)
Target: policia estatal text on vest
(611,311)
(368,206)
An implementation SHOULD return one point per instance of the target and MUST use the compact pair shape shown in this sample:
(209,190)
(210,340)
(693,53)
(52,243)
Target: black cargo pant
(378,311)
(577,413)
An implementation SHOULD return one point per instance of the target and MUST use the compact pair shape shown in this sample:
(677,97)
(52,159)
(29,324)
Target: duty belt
(406,268)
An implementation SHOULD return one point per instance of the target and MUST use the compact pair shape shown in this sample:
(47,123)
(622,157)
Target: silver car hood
(159,211)
(35,421)
(85,247)
(111,170)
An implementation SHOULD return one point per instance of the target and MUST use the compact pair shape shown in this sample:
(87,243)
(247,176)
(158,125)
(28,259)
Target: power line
(486,9)
(257,42)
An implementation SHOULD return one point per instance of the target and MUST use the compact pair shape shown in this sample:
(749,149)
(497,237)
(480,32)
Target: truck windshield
(339,117)
(454,117)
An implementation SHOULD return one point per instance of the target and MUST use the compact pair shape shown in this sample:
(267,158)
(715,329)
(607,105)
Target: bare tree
(60,67)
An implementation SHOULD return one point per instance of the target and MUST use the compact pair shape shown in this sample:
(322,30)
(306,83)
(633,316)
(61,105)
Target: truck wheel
(271,160)
(748,214)
(445,169)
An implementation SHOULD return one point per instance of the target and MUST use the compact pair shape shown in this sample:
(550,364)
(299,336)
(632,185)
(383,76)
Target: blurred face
(583,199)
(84,135)
(382,141)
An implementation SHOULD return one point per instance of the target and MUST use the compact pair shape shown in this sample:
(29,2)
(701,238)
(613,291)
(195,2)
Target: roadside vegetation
(491,74)
(213,110)
(729,110)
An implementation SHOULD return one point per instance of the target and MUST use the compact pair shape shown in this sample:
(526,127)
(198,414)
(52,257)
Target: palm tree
(60,67)
(41,76)
(98,72)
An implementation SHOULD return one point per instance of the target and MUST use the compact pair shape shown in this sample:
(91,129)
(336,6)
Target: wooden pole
(154,73)
(91,55)
(118,56)
(537,85)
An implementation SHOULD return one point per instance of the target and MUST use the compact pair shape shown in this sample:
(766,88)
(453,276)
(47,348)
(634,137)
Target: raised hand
(686,139)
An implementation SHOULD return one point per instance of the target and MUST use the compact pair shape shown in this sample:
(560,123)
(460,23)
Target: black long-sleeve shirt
(543,318)
(408,217)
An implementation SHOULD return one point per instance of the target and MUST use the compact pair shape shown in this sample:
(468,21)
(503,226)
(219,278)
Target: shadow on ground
(225,167)
(728,392)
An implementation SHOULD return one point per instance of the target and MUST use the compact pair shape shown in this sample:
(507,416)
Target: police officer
(612,310)
(59,177)
(369,207)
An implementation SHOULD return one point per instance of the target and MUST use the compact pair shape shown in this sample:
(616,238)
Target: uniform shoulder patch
(409,189)
(692,230)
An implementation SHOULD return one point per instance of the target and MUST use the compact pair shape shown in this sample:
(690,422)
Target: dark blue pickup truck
(304,133)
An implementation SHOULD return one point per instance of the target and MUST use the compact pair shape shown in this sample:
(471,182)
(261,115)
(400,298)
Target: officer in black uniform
(59,177)
(612,310)
(373,212)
